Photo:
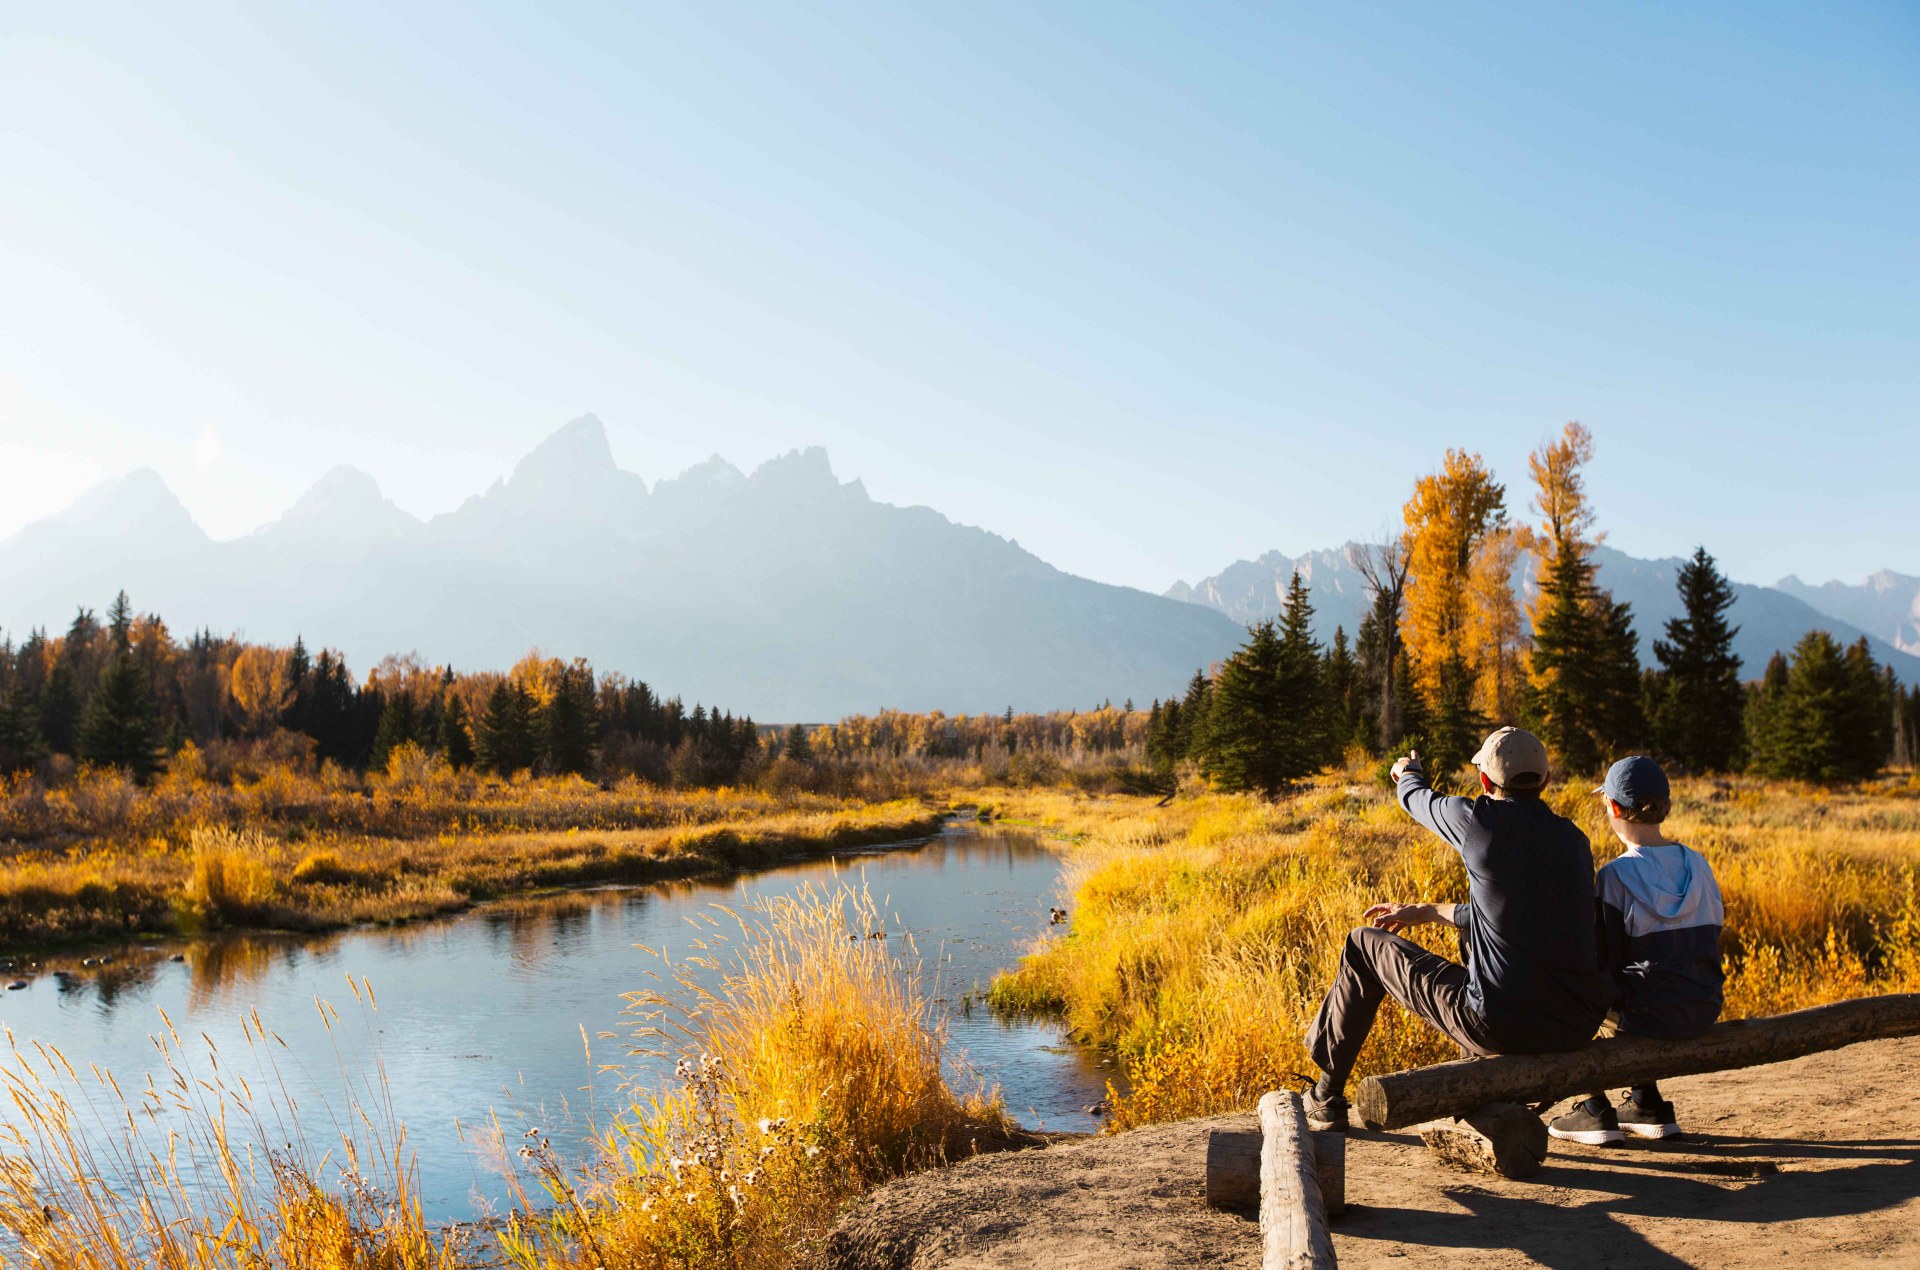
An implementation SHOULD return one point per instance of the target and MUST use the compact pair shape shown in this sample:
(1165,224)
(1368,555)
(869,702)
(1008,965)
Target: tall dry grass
(204,1170)
(1204,933)
(814,1066)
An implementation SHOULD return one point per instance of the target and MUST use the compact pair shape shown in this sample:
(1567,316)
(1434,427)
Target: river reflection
(504,1011)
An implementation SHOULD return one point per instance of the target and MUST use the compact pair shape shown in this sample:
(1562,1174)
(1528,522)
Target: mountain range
(1886,608)
(785,592)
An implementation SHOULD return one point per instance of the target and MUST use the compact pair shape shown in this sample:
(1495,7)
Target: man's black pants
(1373,966)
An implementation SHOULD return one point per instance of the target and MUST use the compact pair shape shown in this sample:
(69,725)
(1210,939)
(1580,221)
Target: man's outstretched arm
(1451,818)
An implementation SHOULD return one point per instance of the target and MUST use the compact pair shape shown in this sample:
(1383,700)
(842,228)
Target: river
(490,1013)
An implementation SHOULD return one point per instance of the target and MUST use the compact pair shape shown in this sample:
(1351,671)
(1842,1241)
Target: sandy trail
(1815,1161)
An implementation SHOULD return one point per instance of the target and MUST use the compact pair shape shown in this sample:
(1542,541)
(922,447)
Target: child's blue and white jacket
(1660,920)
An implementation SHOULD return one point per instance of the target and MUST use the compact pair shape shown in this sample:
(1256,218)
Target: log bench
(1488,1098)
(1483,1113)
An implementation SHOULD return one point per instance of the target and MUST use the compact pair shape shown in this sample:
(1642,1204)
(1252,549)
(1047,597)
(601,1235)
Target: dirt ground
(1814,1162)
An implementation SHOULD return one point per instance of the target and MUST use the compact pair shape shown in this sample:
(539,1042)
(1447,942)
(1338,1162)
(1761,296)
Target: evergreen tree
(798,747)
(1306,708)
(1267,718)
(1190,733)
(456,742)
(20,744)
(1619,715)
(1350,721)
(120,623)
(1821,717)
(506,743)
(60,710)
(1242,748)
(1450,727)
(569,724)
(397,727)
(1564,664)
(1697,700)
(120,727)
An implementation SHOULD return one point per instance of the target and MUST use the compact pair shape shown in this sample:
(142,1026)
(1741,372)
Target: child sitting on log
(1660,916)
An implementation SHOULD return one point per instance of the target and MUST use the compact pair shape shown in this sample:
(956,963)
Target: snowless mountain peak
(577,451)
(344,502)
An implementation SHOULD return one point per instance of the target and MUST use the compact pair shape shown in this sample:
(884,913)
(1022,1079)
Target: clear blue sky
(1147,288)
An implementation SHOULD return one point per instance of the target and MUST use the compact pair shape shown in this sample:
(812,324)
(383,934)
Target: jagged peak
(577,449)
(141,495)
(713,470)
(795,468)
(345,497)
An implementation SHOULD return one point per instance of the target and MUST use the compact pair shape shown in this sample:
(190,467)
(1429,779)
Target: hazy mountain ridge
(785,592)
(1886,604)
(1769,618)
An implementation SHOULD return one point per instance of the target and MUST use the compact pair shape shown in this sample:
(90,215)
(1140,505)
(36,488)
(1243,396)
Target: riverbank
(273,874)
(1765,1175)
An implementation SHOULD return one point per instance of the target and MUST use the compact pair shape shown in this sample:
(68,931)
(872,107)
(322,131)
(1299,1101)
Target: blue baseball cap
(1635,783)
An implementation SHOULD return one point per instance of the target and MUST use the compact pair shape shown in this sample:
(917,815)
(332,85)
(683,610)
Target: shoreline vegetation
(292,851)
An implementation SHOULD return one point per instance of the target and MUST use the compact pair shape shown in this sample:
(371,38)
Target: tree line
(1445,652)
(126,693)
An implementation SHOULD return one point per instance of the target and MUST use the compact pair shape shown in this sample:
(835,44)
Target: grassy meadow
(1201,935)
(98,857)
(1204,932)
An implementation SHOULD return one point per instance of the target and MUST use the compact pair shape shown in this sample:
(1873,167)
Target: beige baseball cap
(1513,758)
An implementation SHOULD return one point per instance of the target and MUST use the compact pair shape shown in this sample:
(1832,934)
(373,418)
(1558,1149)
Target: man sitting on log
(1660,918)
(1532,982)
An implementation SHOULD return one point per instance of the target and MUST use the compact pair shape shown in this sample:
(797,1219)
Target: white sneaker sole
(1652,1130)
(1588,1137)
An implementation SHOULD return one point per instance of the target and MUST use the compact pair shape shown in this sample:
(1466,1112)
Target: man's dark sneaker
(1654,1120)
(1590,1123)
(1324,1114)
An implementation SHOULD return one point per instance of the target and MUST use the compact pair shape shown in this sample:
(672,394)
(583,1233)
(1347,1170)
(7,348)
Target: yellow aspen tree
(1450,512)
(1495,637)
(261,684)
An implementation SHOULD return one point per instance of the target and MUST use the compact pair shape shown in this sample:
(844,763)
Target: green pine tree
(121,728)
(1242,748)
(397,727)
(60,710)
(506,741)
(20,744)
(456,740)
(797,746)
(1564,663)
(569,726)
(1697,700)
(1820,717)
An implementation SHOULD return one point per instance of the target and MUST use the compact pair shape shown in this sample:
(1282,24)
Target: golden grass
(1205,932)
(813,1069)
(204,1170)
(266,873)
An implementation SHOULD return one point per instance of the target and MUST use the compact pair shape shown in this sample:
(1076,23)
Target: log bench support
(1501,1137)
(1233,1169)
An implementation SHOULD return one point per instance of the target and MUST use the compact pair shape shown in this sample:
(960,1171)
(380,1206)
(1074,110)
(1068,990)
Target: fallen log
(1293,1222)
(1233,1168)
(1455,1089)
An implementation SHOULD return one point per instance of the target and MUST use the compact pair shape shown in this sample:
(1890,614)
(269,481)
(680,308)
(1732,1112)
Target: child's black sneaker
(1325,1114)
(1590,1123)
(1653,1120)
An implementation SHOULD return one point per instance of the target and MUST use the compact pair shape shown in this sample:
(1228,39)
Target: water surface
(490,1013)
